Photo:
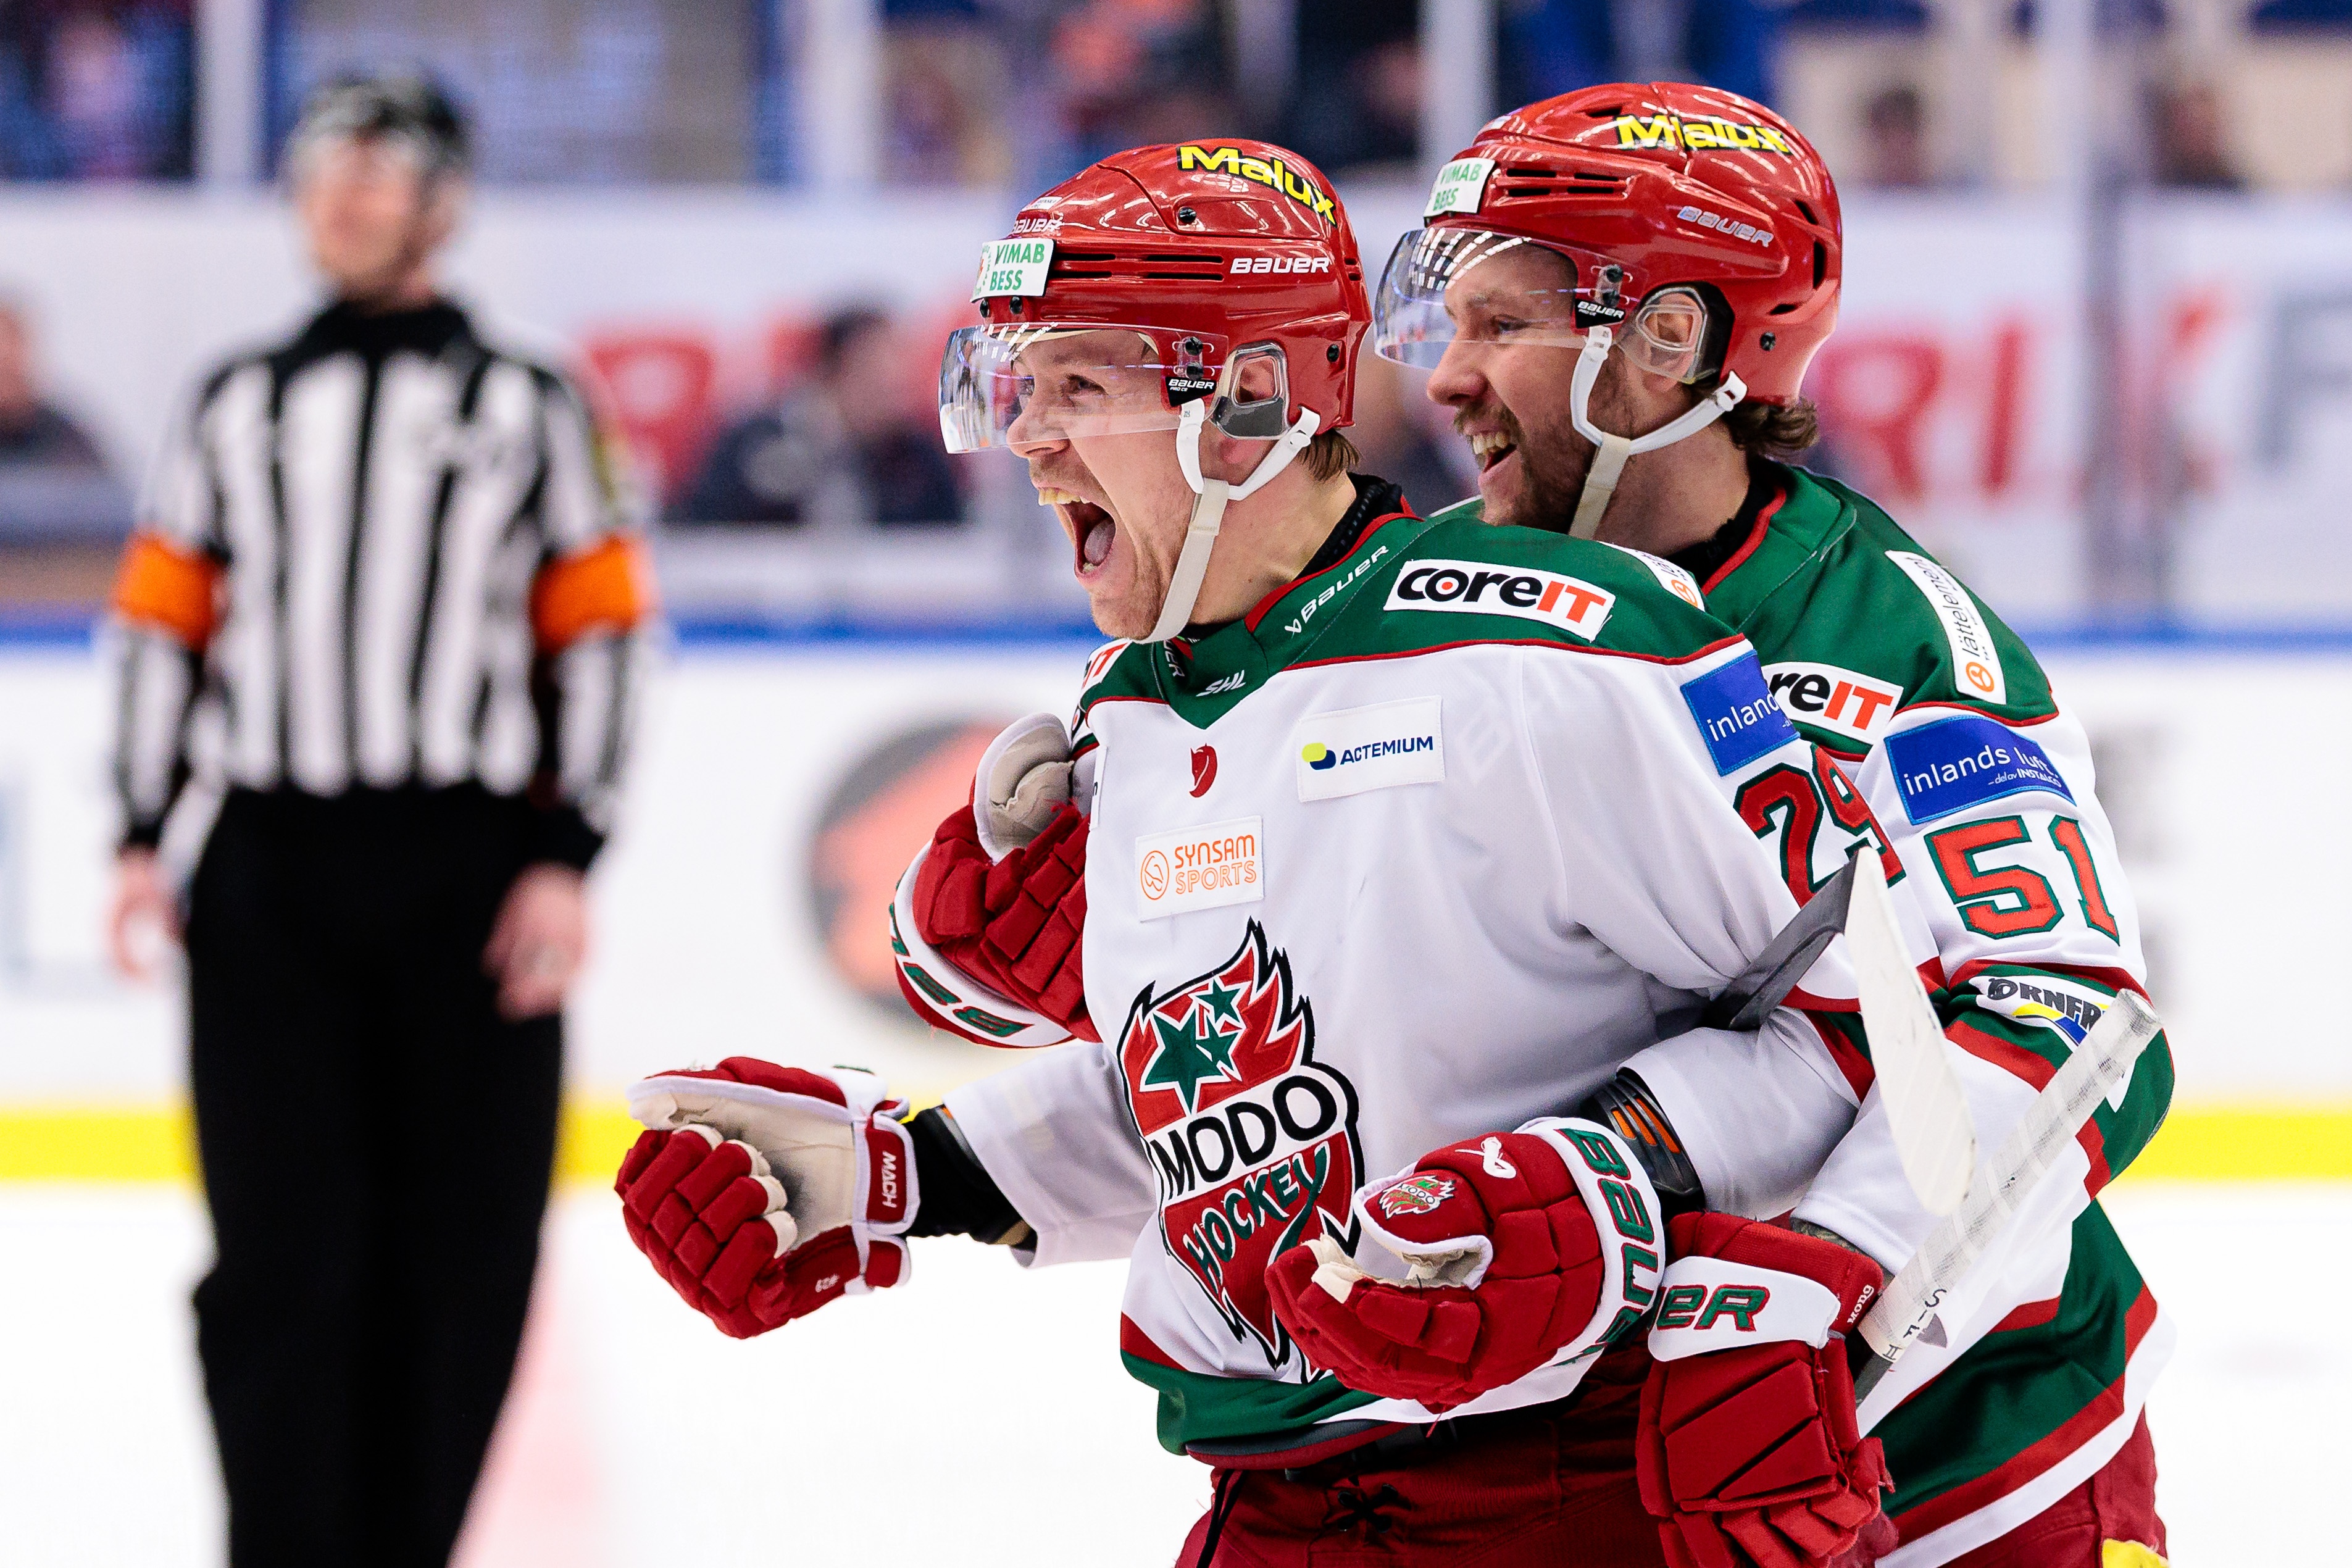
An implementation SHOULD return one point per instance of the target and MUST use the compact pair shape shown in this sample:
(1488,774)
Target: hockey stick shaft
(2101,1060)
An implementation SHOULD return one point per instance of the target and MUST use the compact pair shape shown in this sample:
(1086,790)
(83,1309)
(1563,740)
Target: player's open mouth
(1489,448)
(1092,532)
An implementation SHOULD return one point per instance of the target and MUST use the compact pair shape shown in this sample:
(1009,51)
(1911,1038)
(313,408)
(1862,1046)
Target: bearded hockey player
(1618,292)
(1374,854)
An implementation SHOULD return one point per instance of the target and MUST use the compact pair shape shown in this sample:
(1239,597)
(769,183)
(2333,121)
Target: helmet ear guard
(1240,414)
(1677,332)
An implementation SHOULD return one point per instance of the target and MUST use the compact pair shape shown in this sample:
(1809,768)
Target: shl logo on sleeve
(1202,867)
(1736,714)
(1379,747)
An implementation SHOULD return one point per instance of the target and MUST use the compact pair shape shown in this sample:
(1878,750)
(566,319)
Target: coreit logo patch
(1736,714)
(1481,588)
(1956,763)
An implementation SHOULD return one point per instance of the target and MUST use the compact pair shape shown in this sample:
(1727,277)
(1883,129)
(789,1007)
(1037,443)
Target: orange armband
(167,589)
(608,586)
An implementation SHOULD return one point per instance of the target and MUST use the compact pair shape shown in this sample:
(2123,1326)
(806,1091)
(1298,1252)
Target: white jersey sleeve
(1054,1135)
(1688,817)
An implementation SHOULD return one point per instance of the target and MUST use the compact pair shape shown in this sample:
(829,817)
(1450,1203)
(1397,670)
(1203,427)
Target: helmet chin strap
(1209,507)
(1609,461)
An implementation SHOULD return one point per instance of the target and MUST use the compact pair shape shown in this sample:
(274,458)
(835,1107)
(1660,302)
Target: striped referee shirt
(385,554)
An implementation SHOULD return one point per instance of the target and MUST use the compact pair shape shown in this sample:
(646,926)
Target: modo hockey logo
(1416,1195)
(1253,1140)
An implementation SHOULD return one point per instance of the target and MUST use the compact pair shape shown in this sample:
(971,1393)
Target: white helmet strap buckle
(1609,459)
(1208,508)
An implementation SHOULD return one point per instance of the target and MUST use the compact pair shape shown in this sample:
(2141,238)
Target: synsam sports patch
(1735,713)
(1949,766)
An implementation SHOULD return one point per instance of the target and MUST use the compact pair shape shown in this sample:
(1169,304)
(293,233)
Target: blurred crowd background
(2099,317)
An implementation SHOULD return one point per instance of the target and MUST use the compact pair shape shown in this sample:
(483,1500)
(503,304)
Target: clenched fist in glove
(1749,1452)
(1521,1249)
(1001,895)
(761,1192)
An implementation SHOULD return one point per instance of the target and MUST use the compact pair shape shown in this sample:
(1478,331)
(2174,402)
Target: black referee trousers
(376,1144)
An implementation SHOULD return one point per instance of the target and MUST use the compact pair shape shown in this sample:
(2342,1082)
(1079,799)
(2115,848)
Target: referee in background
(377,635)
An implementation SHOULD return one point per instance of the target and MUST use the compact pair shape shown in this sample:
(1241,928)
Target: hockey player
(1618,292)
(1382,846)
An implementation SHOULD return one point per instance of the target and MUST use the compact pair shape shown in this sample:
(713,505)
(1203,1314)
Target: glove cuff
(944,996)
(1022,780)
(1739,1281)
(1625,1211)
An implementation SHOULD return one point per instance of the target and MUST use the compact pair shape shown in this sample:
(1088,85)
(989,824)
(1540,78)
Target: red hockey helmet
(1692,229)
(1134,296)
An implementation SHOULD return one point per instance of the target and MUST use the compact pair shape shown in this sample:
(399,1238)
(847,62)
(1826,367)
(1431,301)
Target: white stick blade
(1934,1136)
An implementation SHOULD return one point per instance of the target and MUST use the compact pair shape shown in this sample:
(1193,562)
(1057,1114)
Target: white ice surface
(977,1416)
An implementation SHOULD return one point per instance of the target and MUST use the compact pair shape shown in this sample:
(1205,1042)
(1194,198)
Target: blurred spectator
(1397,434)
(95,90)
(1357,101)
(1894,150)
(54,486)
(2188,149)
(1556,45)
(841,449)
(945,82)
(1131,72)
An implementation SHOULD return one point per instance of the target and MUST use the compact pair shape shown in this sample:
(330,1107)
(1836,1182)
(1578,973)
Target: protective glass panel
(1015,382)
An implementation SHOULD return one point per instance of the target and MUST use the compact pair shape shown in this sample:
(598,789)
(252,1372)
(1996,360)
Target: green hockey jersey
(1948,726)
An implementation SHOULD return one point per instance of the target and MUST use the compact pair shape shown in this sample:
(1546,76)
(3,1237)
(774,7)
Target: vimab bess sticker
(1461,186)
(1013,266)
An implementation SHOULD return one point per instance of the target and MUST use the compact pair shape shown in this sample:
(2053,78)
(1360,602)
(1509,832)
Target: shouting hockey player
(1372,857)
(1618,292)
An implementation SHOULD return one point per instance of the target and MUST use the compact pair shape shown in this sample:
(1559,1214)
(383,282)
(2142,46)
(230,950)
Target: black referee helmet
(409,108)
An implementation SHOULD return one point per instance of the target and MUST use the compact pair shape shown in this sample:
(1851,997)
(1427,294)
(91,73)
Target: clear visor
(1477,286)
(1011,382)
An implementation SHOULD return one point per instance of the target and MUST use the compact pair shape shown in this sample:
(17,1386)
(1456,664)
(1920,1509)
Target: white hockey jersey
(1428,845)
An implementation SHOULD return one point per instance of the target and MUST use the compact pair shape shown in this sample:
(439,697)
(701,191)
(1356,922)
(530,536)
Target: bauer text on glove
(1748,1453)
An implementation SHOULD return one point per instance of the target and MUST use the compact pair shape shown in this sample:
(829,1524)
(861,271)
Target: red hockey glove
(1013,924)
(1522,1250)
(998,900)
(761,1192)
(1749,1452)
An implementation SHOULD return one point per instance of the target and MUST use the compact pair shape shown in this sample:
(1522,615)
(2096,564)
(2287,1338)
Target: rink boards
(782,781)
